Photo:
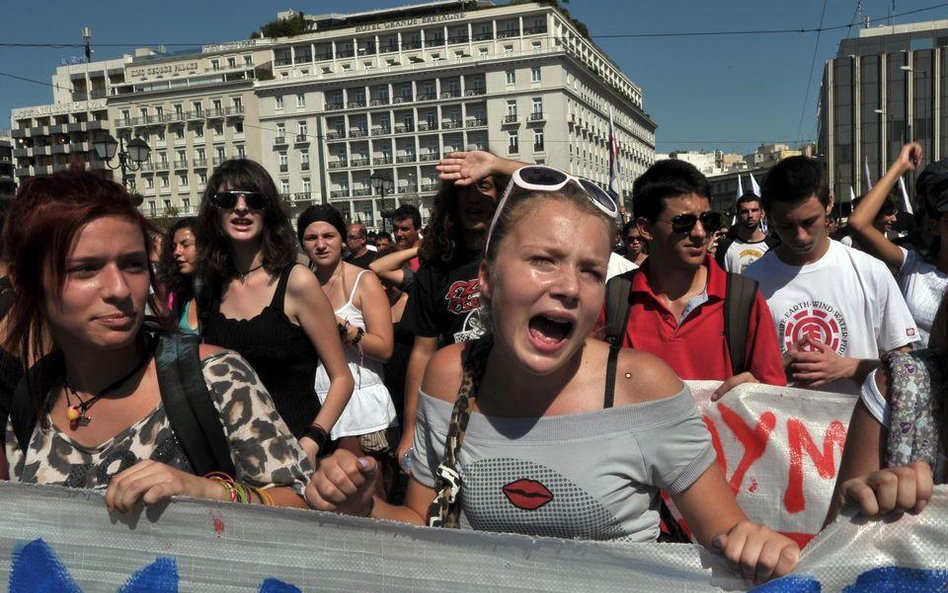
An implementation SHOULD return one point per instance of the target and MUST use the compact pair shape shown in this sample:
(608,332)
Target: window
(179,133)
(307,186)
(513,142)
(218,107)
(126,116)
(241,151)
(149,183)
(215,64)
(202,177)
(281,132)
(238,103)
(248,60)
(198,108)
(183,180)
(301,100)
(535,74)
(508,49)
(164,181)
(186,204)
(198,131)
(511,110)
(220,153)
(537,112)
(239,127)
(159,111)
(231,62)
(200,155)
(482,52)
(511,77)
(178,110)
(144,113)
(218,129)
(163,157)
(284,165)
(284,187)
(302,129)
(537,140)
(182,157)
(161,135)
(278,103)
(304,160)
(152,211)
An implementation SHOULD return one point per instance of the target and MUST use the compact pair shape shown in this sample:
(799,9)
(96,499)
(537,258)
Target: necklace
(242,276)
(76,413)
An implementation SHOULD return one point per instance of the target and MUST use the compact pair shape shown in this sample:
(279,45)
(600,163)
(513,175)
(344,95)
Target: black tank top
(280,352)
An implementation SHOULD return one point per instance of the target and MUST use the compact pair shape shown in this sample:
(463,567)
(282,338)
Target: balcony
(475,92)
(302,138)
(476,122)
(339,193)
(511,118)
(218,160)
(199,163)
(430,186)
(235,111)
(324,55)
(125,122)
(427,125)
(278,62)
(538,147)
(304,166)
(458,39)
(382,160)
(304,58)
(334,105)
(450,94)
(537,116)
(379,101)
(194,115)
(181,164)
(279,140)
(426,96)
(450,124)
(345,53)
(404,128)
(340,164)
(513,149)
(428,157)
(404,99)
(381,131)
(356,103)
(506,33)
(387,48)
(408,188)
(411,44)
(405,158)
(483,36)
(534,30)
(357,133)
(436,42)
(284,168)
(217,113)
(301,197)
(362,191)
(361,162)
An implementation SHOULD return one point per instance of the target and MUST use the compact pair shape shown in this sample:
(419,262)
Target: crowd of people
(502,368)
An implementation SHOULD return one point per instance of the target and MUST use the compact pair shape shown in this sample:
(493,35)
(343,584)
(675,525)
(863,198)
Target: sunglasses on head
(684,223)
(541,178)
(227,200)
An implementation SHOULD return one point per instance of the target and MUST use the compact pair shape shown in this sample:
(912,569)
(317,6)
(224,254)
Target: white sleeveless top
(370,409)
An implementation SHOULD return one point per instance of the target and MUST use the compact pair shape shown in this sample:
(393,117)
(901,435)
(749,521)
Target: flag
(868,177)
(615,169)
(754,187)
(906,203)
(852,196)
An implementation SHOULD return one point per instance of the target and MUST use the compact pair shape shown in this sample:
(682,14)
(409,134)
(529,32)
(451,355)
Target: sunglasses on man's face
(633,239)
(685,223)
(227,200)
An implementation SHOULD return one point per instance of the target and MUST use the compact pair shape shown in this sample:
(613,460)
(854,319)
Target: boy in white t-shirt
(837,310)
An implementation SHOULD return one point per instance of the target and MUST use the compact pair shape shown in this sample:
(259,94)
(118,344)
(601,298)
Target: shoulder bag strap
(445,510)
(618,289)
(610,395)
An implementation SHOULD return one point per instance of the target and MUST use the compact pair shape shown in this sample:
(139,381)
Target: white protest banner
(52,539)
(780,450)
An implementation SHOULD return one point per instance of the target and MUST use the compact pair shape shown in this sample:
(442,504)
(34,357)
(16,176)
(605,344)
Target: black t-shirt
(445,301)
(364,260)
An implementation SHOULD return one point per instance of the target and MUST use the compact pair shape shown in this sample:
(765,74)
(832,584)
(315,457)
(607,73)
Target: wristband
(318,434)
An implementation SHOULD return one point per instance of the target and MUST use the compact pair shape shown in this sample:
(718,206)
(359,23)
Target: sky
(729,90)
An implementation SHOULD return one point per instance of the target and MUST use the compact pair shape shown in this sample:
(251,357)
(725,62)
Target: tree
(287,27)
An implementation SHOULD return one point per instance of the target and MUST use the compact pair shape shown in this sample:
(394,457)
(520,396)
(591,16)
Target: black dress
(280,352)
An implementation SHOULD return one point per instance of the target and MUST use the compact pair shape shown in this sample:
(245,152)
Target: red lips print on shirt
(528,495)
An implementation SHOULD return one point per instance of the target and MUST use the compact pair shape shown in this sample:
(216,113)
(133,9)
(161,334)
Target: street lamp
(382,185)
(129,159)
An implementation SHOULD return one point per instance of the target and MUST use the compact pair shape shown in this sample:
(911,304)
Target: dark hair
(747,197)
(793,180)
(668,178)
(278,246)
(44,220)
(443,233)
(169,276)
(320,213)
(384,235)
(628,226)
(408,211)
(363,233)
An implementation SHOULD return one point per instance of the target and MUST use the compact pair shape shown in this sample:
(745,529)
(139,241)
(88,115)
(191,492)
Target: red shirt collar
(716,287)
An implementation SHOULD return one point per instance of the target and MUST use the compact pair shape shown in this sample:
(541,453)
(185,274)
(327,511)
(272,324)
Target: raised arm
(861,220)
(467,168)
(389,266)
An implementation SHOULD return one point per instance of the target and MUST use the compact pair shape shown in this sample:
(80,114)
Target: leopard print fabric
(263,450)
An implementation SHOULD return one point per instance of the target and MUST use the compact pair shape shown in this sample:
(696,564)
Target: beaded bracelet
(237,492)
(359,333)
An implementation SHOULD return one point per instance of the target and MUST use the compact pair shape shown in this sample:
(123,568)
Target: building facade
(384,93)
(883,88)
(7,179)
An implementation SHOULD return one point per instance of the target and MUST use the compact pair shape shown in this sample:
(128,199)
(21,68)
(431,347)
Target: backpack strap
(739,297)
(204,299)
(40,379)
(191,412)
(618,290)
(610,396)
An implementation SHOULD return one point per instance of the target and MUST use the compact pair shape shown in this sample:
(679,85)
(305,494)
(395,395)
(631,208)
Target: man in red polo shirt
(677,296)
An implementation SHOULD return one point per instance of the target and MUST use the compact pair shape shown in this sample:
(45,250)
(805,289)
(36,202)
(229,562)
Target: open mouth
(550,330)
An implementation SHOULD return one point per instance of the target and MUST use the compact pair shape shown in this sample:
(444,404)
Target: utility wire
(809,79)
(802,30)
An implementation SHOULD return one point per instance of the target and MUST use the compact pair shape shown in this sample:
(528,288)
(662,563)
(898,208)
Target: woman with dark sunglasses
(523,432)
(263,305)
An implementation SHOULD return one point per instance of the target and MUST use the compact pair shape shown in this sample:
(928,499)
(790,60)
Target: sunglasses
(541,178)
(685,223)
(354,237)
(633,239)
(227,200)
